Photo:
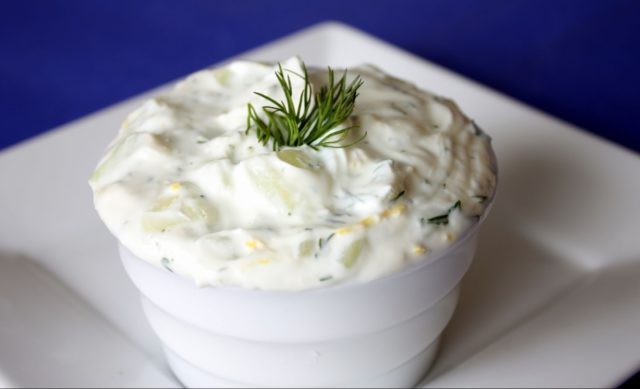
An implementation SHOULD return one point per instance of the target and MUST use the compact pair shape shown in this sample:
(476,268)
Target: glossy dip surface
(185,187)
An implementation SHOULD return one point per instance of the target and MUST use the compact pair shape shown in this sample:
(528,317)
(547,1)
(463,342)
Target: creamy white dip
(185,188)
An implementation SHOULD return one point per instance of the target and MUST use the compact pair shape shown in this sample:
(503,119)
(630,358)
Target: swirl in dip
(185,187)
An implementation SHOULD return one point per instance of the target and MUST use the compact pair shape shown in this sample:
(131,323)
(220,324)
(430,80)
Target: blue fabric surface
(577,60)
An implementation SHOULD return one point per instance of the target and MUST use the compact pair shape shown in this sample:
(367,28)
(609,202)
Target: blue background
(578,60)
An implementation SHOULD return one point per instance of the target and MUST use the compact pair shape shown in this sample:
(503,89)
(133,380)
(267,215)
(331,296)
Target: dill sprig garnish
(313,120)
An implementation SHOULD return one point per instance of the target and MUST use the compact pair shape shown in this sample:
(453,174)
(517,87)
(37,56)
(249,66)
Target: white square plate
(552,299)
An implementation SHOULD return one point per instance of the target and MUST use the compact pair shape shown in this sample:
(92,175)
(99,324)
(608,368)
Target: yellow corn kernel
(253,244)
(263,261)
(418,249)
(344,231)
(368,221)
(394,211)
(175,186)
(258,262)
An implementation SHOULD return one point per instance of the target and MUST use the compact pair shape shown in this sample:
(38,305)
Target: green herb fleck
(323,242)
(477,131)
(397,108)
(313,120)
(396,197)
(325,278)
(444,218)
(481,199)
(166,262)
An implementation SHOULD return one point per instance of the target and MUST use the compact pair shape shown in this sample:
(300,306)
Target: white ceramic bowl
(382,333)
